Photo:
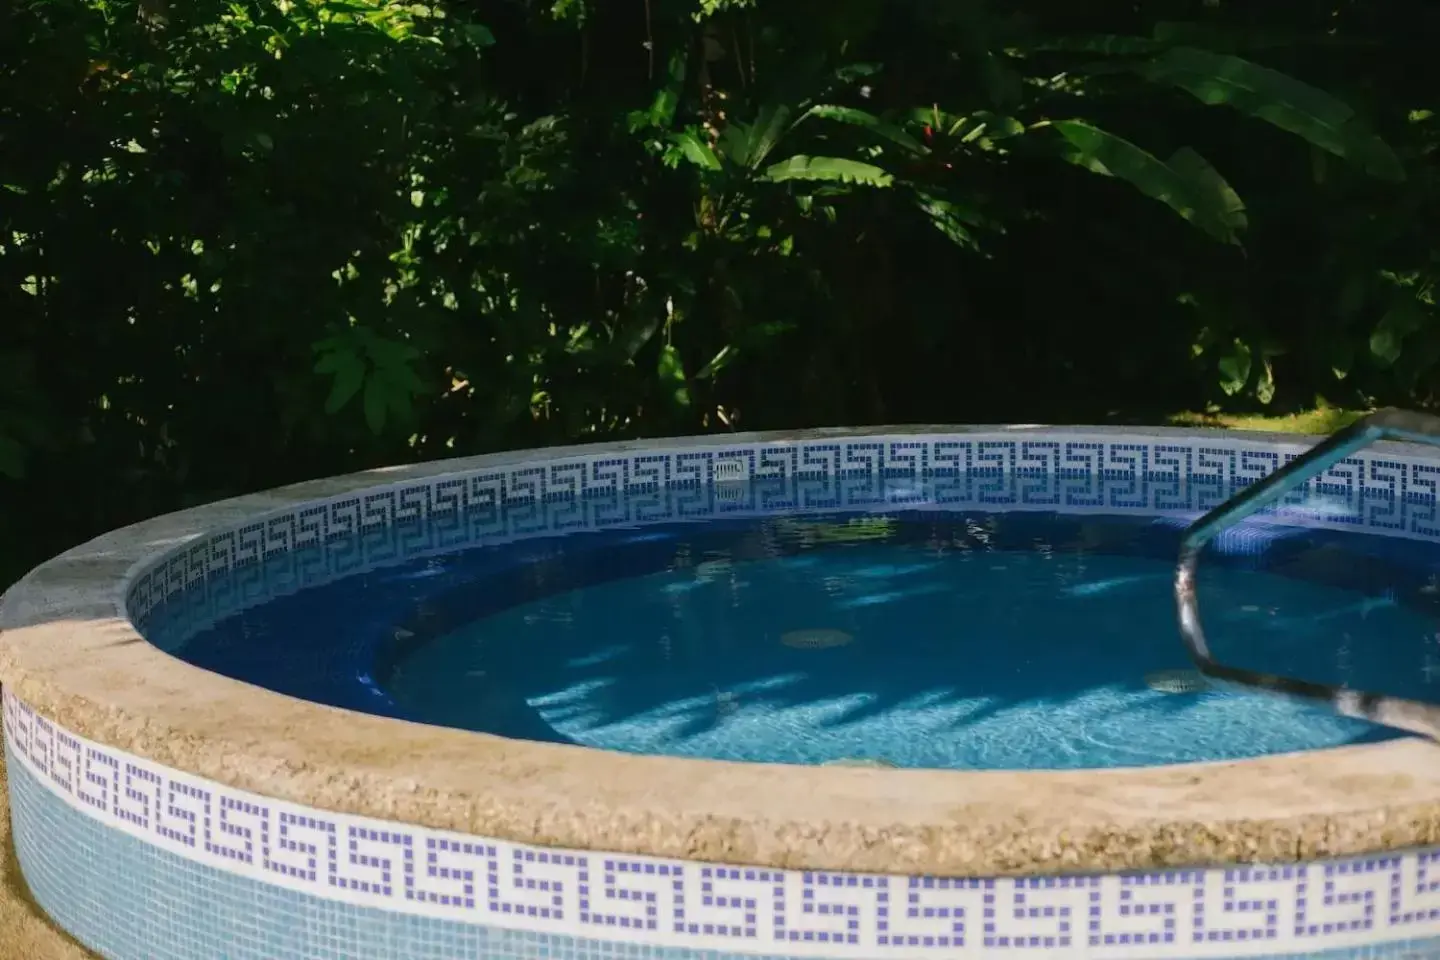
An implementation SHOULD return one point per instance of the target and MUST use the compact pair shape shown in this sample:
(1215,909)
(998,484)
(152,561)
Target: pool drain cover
(1177,681)
(815,639)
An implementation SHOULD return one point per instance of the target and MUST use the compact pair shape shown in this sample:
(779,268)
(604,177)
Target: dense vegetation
(249,241)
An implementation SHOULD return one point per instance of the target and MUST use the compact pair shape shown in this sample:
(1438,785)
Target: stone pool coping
(69,651)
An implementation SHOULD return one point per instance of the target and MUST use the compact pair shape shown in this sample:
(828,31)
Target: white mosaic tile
(228,570)
(406,871)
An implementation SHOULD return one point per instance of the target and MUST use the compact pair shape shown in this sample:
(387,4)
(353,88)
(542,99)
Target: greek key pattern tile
(1242,911)
(228,570)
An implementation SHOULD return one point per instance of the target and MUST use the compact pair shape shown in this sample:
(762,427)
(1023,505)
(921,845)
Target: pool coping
(68,650)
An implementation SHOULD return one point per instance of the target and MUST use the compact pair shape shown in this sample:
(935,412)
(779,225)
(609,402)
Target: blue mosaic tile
(228,570)
(141,862)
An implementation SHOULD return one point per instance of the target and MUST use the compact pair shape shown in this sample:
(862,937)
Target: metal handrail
(1412,715)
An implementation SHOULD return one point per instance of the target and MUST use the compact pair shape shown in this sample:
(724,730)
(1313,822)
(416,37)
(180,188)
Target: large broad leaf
(1204,200)
(695,150)
(827,168)
(1208,181)
(748,144)
(862,118)
(949,218)
(1278,99)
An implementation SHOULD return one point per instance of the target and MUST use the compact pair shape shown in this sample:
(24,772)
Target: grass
(1322,420)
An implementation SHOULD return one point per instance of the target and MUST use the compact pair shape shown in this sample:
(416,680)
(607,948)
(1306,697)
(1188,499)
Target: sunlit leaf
(718,362)
(1235,368)
(867,120)
(1265,382)
(949,218)
(672,373)
(828,168)
(695,150)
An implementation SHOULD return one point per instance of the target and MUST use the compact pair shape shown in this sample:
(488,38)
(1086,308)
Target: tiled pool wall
(140,861)
(228,570)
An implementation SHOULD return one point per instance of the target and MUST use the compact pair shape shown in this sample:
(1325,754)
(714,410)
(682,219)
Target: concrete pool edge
(69,652)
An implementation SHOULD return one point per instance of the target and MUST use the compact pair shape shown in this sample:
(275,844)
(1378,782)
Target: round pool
(859,694)
(909,638)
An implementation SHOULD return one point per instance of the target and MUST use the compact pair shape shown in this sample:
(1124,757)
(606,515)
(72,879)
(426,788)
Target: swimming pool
(918,638)
(495,707)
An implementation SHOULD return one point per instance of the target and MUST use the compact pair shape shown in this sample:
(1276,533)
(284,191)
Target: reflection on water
(973,642)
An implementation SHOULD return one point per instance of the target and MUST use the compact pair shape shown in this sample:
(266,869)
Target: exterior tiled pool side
(143,863)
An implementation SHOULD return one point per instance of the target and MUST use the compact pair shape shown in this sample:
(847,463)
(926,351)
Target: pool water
(943,640)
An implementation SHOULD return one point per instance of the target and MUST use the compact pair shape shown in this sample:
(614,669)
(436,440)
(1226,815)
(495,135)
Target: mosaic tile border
(675,904)
(142,903)
(227,570)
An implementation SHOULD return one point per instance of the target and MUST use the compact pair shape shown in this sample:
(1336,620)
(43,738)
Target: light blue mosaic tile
(130,901)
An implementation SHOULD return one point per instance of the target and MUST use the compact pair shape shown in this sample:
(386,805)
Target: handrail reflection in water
(1412,715)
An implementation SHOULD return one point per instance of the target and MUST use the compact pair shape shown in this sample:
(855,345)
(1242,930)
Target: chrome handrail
(1412,715)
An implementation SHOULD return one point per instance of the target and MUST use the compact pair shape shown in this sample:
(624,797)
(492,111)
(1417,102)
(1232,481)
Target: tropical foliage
(247,241)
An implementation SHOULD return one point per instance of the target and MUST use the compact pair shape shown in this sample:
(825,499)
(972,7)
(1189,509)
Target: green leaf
(1265,383)
(479,35)
(1278,99)
(763,135)
(862,118)
(672,374)
(1207,181)
(1235,368)
(695,150)
(1401,320)
(661,112)
(994,126)
(1204,202)
(827,169)
(949,218)
(376,405)
(349,376)
(718,362)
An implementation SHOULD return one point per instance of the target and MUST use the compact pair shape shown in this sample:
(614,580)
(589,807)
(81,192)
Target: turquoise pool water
(957,640)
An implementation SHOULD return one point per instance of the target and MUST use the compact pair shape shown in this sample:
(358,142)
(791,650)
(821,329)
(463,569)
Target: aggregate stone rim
(68,649)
